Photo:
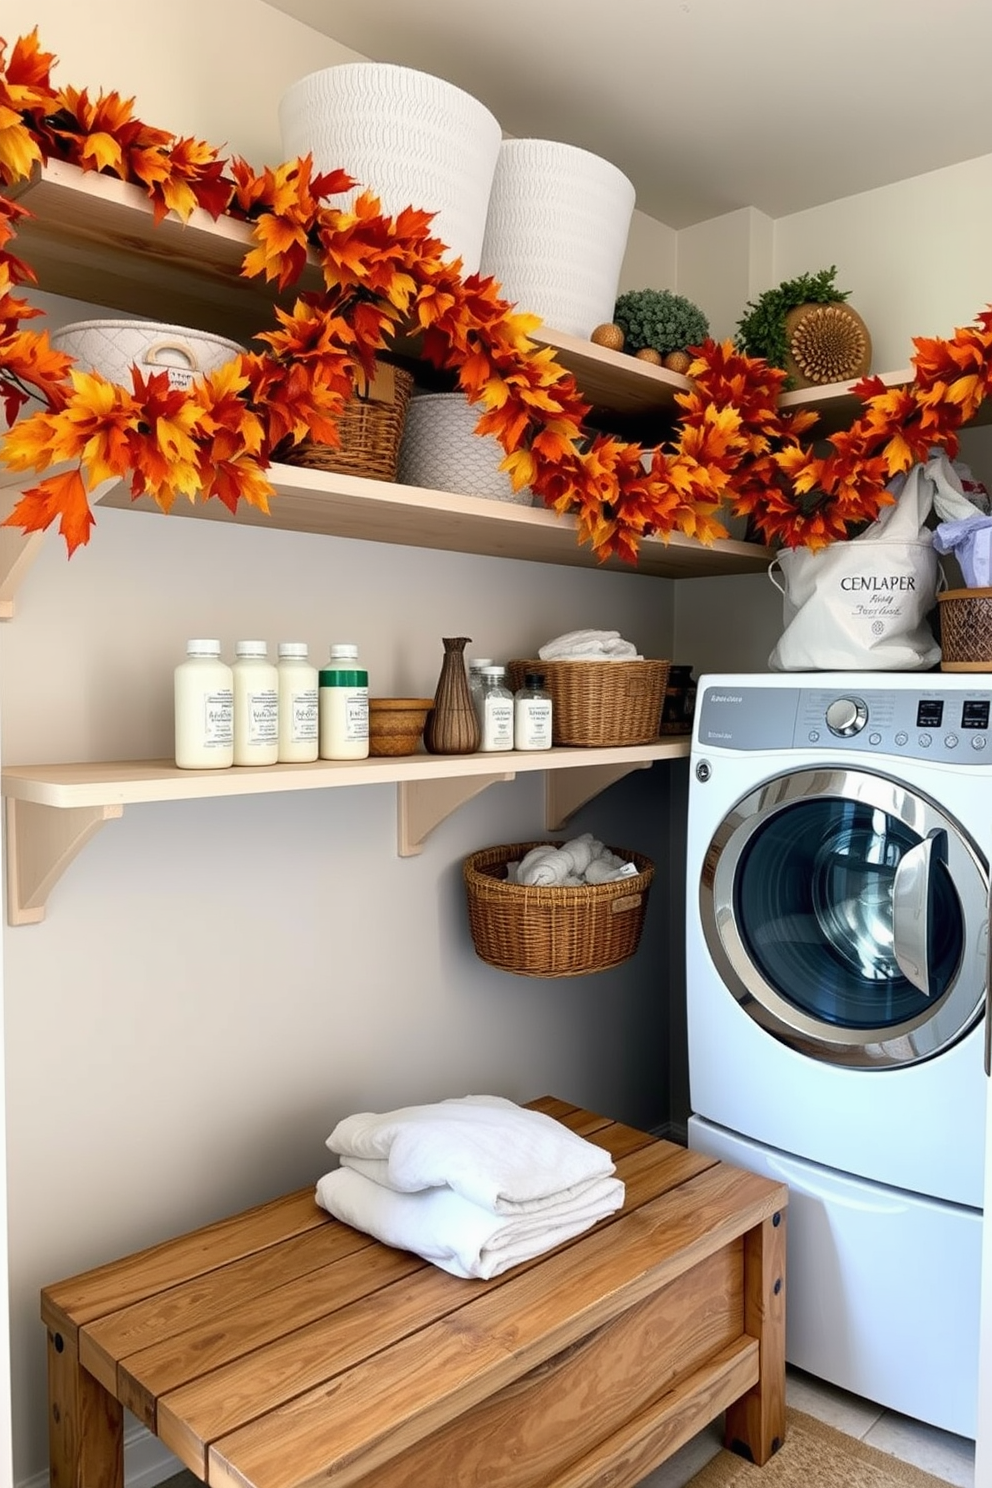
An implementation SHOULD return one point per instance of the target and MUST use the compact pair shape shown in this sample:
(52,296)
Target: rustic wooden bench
(281,1349)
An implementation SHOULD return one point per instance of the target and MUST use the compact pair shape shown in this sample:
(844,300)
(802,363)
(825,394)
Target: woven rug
(815,1456)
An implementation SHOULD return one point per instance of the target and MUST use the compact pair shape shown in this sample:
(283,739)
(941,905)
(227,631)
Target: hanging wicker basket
(965,630)
(553,932)
(370,426)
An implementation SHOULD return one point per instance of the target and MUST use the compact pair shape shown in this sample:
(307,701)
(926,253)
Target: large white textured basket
(411,138)
(557,232)
(441,451)
(113,347)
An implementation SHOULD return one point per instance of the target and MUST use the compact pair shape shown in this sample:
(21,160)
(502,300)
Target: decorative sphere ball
(608,335)
(648,354)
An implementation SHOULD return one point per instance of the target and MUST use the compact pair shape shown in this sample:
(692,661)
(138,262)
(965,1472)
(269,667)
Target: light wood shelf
(53,810)
(378,511)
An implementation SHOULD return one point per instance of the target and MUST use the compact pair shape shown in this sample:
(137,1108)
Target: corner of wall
(723,263)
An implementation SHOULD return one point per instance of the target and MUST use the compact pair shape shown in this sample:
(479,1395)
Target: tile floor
(951,1458)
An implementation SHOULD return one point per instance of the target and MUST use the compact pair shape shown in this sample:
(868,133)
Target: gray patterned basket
(441,451)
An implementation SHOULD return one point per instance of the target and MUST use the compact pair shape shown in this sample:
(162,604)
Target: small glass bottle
(495,711)
(297,704)
(256,705)
(475,665)
(532,714)
(344,705)
(204,709)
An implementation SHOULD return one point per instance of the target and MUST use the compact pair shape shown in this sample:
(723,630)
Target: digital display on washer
(930,713)
(975,715)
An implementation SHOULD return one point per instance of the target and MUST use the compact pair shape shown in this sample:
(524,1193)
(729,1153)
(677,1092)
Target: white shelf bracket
(423,804)
(19,549)
(41,843)
(565,791)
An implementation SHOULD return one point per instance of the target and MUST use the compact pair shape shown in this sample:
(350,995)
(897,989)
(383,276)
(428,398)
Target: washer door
(849,917)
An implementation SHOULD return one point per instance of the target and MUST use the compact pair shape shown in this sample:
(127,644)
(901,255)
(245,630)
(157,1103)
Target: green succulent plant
(660,319)
(761,329)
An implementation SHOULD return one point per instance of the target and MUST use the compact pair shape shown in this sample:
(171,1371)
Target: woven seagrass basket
(553,932)
(602,703)
(370,426)
(965,630)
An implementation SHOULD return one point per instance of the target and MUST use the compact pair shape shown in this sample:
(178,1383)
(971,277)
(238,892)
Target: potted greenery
(661,323)
(804,327)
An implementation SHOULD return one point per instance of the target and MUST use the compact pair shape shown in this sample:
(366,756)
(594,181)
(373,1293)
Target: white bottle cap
(476,663)
(203,648)
(343,649)
(293,648)
(251,648)
(494,671)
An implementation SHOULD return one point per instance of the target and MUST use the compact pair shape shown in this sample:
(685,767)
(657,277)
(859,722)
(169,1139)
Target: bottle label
(356,717)
(218,719)
(263,717)
(304,716)
(497,723)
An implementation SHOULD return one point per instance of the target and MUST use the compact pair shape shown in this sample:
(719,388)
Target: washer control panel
(938,723)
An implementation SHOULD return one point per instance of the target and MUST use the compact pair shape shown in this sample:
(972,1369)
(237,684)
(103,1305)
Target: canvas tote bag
(861,604)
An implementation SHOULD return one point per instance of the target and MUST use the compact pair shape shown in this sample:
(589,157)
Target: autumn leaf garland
(381,276)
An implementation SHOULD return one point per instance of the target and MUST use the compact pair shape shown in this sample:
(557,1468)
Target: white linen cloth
(463,1238)
(583,860)
(489,1150)
(589,645)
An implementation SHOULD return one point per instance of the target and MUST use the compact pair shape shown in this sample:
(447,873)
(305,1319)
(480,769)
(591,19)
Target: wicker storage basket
(602,703)
(553,932)
(966,630)
(371,427)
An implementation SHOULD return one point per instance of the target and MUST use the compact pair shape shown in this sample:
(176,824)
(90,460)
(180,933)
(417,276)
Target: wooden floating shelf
(54,810)
(94,238)
(377,511)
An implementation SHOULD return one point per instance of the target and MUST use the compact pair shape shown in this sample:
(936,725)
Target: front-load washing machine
(837,974)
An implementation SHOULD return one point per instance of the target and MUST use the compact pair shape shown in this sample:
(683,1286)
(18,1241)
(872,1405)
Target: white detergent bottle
(298,734)
(256,705)
(204,709)
(344,705)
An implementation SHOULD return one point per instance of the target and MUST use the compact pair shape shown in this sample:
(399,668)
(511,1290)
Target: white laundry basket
(411,138)
(441,451)
(557,232)
(113,347)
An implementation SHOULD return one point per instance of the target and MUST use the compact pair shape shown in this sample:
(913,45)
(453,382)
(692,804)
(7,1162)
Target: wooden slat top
(280,1348)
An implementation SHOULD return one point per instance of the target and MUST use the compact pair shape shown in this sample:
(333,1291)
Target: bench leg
(85,1423)
(755,1424)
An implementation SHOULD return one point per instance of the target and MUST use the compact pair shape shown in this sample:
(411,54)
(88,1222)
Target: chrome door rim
(933,1029)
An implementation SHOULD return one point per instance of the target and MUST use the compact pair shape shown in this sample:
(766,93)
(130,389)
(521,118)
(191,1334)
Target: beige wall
(216,984)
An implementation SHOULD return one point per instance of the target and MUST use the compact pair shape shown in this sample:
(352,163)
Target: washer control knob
(846,716)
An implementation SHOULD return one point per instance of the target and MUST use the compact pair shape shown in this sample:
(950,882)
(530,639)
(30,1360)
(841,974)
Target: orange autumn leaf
(61,496)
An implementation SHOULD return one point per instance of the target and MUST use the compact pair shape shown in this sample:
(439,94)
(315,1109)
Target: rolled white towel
(589,645)
(547,866)
(455,1234)
(491,1151)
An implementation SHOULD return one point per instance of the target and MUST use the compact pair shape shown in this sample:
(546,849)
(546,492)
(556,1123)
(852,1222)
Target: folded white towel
(455,1234)
(584,860)
(589,645)
(486,1148)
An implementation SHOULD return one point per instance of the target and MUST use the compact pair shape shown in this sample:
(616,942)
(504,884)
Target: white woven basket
(557,232)
(113,347)
(441,451)
(413,139)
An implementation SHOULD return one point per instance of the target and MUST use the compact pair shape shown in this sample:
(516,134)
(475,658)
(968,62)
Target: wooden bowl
(396,725)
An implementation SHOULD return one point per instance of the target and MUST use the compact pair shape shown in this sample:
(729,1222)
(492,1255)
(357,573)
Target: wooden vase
(452,725)
(826,343)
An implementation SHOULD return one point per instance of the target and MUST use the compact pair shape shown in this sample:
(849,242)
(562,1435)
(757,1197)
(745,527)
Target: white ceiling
(708,105)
